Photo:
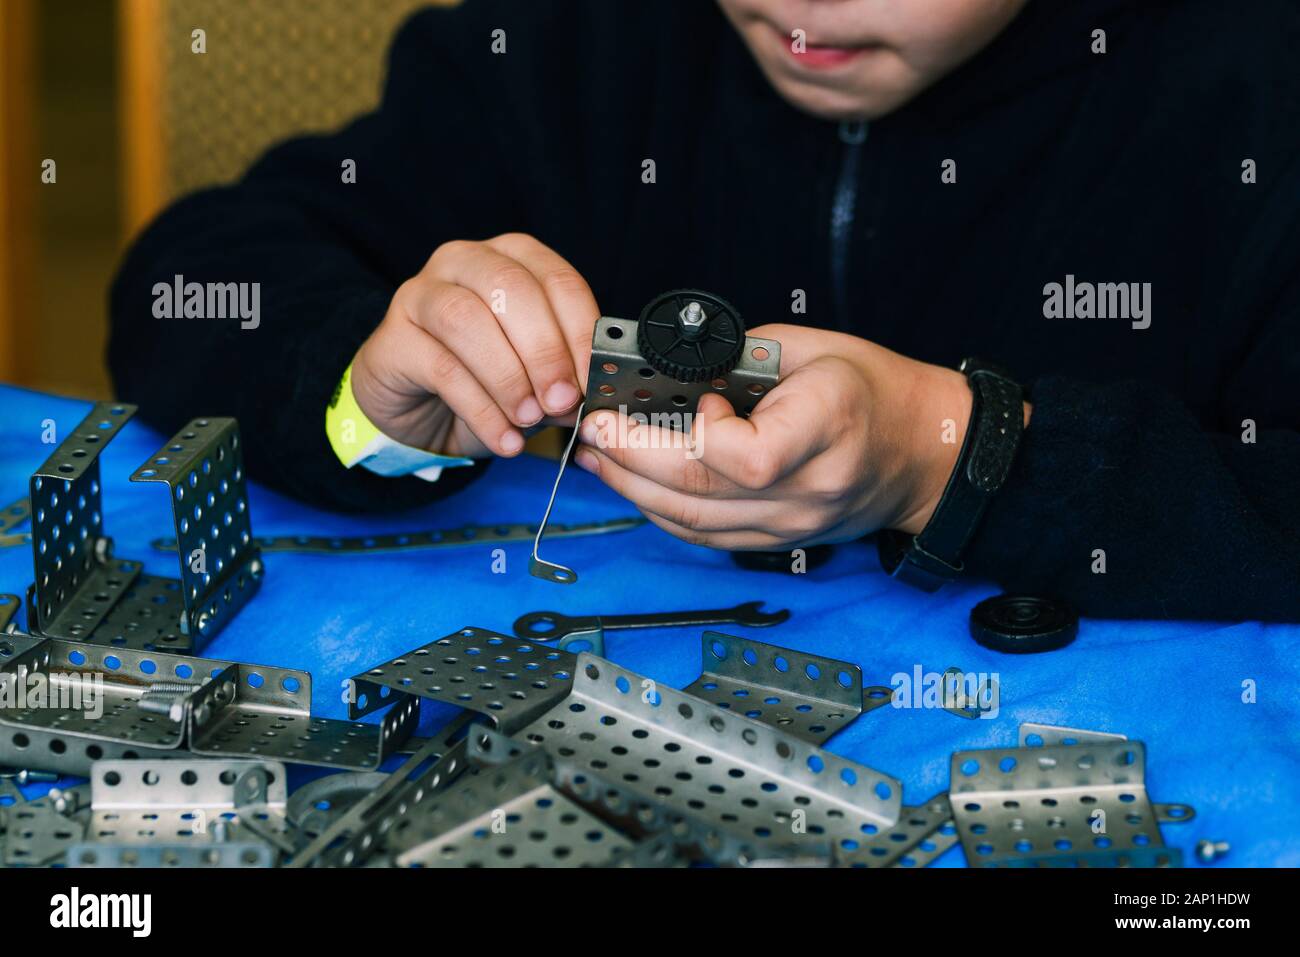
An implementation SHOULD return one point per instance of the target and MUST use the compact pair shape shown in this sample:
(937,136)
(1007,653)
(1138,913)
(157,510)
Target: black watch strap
(934,557)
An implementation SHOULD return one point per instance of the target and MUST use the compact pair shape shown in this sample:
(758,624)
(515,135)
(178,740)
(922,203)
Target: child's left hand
(855,438)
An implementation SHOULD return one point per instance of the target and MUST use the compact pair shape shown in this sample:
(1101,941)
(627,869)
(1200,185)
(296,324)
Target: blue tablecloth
(1176,686)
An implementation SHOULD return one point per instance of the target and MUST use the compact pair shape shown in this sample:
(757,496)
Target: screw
(172,687)
(220,830)
(1207,852)
(24,776)
(172,708)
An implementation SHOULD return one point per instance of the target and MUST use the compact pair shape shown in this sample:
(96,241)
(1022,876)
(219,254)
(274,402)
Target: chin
(830,104)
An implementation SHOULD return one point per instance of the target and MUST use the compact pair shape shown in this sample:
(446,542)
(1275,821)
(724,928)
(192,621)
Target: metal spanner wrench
(551,625)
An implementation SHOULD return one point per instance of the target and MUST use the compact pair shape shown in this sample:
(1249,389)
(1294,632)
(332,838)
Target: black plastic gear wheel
(1023,624)
(668,349)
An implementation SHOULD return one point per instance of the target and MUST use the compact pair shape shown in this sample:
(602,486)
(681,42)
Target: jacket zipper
(843,209)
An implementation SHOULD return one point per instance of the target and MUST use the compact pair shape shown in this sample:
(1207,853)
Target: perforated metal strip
(806,695)
(1053,802)
(14,514)
(740,775)
(40,835)
(916,827)
(508,679)
(425,540)
(196,855)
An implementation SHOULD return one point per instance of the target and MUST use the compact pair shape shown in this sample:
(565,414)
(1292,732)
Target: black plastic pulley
(691,336)
(814,556)
(1023,624)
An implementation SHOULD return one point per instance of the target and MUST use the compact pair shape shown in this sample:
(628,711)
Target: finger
(700,514)
(665,456)
(572,301)
(437,371)
(463,324)
(758,452)
(727,541)
(521,310)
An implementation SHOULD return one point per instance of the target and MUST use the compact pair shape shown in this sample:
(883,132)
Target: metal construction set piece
(1062,805)
(425,540)
(82,592)
(922,834)
(806,695)
(93,708)
(11,516)
(686,344)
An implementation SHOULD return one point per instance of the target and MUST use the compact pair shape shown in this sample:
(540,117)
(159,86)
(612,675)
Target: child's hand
(853,439)
(489,339)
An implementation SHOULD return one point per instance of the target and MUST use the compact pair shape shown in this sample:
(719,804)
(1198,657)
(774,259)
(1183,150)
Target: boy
(1100,197)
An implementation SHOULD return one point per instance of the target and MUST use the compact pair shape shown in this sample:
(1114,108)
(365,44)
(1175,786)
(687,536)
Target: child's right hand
(488,339)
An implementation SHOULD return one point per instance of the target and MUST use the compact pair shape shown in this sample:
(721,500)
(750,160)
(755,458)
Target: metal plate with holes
(68,540)
(15,643)
(96,691)
(805,695)
(257,711)
(221,567)
(39,835)
(175,802)
(146,617)
(916,827)
(645,820)
(1160,857)
(505,816)
(14,514)
(1035,735)
(739,775)
(959,698)
(8,609)
(509,680)
(196,855)
(422,541)
(1021,803)
(619,378)
(362,833)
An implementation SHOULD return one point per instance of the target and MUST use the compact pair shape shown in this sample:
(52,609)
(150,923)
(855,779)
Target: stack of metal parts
(557,760)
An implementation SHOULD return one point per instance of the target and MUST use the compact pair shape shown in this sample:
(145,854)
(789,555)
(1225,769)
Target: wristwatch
(934,557)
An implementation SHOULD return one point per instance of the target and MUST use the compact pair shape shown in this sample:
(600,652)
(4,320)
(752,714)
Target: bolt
(172,687)
(24,776)
(692,320)
(220,830)
(1207,852)
(172,708)
(256,569)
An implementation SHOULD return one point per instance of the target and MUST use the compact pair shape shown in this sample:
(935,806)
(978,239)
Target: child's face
(863,58)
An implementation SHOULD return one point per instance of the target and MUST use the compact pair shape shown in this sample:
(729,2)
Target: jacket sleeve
(1196,513)
(328,256)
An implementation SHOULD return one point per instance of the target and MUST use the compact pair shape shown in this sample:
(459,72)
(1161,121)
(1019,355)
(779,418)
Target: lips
(823,56)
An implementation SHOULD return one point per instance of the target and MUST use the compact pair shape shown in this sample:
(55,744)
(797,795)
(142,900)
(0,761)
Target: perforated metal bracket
(197,855)
(921,835)
(1034,735)
(805,695)
(90,706)
(181,802)
(648,822)
(220,564)
(739,775)
(1079,802)
(507,816)
(509,680)
(39,834)
(620,379)
(257,711)
(75,582)
(956,698)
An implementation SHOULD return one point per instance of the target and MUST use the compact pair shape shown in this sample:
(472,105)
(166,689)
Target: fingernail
(588,432)
(512,442)
(587,460)
(529,412)
(561,397)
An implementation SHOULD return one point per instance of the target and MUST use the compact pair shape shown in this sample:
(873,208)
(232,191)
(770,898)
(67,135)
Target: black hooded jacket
(1173,449)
